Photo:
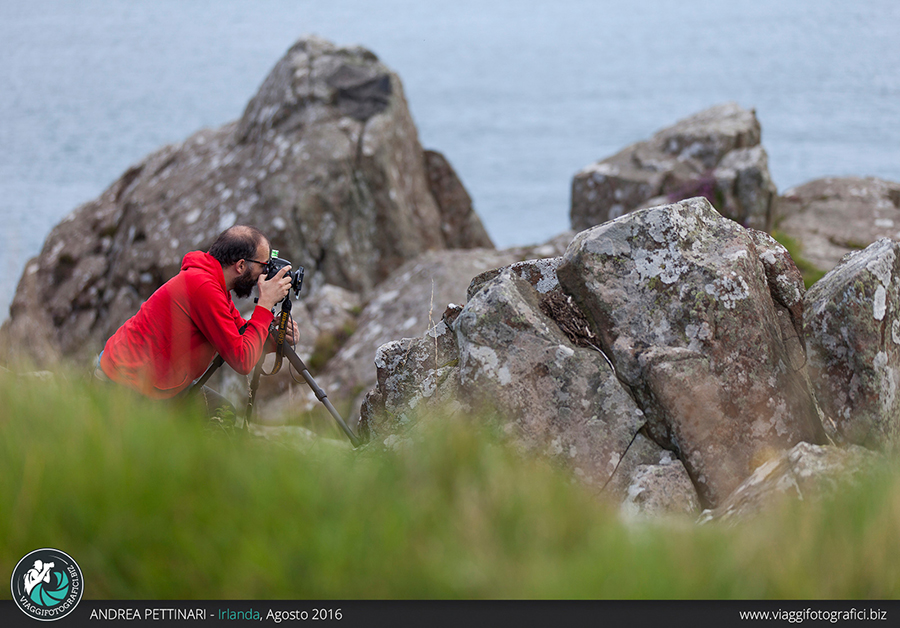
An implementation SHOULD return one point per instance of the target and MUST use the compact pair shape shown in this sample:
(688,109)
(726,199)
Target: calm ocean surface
(519,96)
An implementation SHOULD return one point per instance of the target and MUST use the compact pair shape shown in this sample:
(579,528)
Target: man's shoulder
(191,283)
(203,284)
(200,274)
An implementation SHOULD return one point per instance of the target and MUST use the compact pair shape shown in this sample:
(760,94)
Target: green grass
(811,273)
(152,507)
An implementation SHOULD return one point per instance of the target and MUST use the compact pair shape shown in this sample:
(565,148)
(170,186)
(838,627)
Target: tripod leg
(254,385)
(219,361)
(320,394)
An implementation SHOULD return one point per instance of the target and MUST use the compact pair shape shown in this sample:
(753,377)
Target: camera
(276,263)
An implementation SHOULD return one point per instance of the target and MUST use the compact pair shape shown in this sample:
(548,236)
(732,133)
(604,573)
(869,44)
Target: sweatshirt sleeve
(216,317)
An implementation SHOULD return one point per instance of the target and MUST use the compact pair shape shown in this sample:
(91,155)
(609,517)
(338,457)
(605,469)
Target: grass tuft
(152,507)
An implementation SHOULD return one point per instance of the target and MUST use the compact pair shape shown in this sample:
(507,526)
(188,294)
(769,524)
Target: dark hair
(237,243)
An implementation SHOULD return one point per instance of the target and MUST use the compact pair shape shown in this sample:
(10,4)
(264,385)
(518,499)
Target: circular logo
(47,584)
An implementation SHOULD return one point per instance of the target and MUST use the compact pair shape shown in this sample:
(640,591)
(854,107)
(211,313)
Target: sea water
(519,96)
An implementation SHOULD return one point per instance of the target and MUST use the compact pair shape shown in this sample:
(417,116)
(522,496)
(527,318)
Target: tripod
(282,350)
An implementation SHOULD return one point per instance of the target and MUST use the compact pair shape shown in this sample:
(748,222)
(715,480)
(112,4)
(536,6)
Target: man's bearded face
(244,284)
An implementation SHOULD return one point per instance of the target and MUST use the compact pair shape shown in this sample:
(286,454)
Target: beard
(243,285)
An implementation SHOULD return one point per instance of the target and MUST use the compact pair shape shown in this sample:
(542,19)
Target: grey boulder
(806,472)
(558,399)
(504,354)
(696,318)
(852,323)
(715,153)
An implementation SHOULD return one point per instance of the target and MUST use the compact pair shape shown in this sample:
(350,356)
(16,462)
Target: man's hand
(291,336)
(274,290)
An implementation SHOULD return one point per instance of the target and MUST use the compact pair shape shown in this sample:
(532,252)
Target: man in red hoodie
(160,351)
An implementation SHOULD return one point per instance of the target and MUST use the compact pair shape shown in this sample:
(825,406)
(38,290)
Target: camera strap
(280,332)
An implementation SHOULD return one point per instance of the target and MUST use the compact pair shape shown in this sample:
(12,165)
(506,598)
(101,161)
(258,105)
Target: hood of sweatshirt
(204,261)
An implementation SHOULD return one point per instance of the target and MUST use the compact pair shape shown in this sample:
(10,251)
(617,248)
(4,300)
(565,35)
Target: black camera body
(276,263)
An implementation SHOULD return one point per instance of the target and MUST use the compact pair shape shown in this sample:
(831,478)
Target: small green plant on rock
(811,273)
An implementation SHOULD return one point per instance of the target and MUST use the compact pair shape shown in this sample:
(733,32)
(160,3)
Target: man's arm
(214,314)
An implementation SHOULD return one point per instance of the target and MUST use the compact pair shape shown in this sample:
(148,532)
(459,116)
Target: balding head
(237,243)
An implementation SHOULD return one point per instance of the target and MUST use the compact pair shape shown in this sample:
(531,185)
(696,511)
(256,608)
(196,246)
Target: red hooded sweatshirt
(173,338)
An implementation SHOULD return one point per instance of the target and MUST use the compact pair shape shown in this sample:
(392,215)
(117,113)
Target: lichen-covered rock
(559,400)
(325,160)
(715,153)
(852,324)
(540,273)
(833,216)
(680,300)
(416,378)
(806,472)
(659,490)
(651,481)
(787,290)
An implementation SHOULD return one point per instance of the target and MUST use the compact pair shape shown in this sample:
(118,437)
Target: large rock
(326,160)
(660,489)
(834,216)
(700,318)
(560,399)
(852,322)
(715,153)
(661,359)
(417,378)
(505,354)
(806,472)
